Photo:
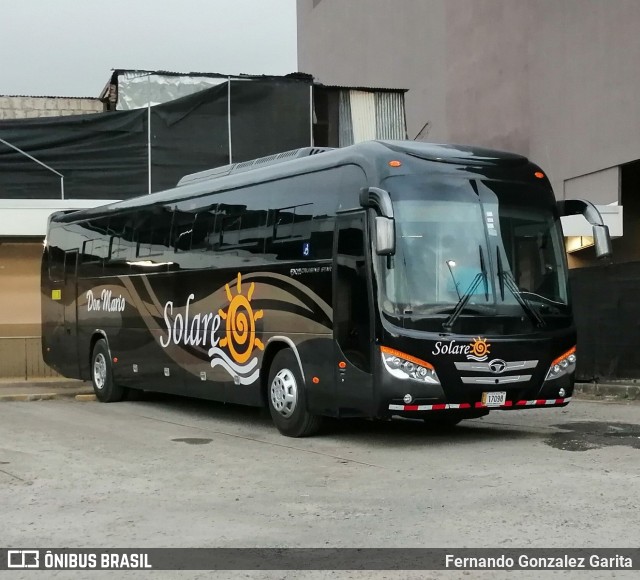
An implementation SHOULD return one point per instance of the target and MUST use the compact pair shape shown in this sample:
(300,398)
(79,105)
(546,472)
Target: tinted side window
(295,203)
(153,230)
(291,232)
(122,244)
(95,249)
(305,230)
(242,229)
(348,180)
(253,231)
(55,254)
(204,230)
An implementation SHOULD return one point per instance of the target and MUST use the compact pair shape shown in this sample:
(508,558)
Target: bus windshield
(489,250)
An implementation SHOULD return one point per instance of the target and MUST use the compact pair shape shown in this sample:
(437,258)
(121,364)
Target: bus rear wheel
(102,375)
(286,398)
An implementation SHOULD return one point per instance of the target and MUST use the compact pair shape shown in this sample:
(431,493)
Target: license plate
(495,399)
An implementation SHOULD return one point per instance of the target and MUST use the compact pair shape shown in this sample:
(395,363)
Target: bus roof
(371,156)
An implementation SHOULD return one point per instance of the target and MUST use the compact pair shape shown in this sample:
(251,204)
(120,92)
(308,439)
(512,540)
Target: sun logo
(479,349)
(240,319)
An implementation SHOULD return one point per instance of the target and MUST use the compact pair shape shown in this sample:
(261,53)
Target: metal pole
(149,132)
(38,162)
(311,110)
(229,117)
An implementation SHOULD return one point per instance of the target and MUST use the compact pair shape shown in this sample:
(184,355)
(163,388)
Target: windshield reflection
(496,253)
(437,256)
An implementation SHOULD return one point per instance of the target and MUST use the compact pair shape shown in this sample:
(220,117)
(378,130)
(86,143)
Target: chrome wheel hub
(284,392)
(99,371)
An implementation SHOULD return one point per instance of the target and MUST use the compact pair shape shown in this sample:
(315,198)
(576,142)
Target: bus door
(352,315)
(70,301)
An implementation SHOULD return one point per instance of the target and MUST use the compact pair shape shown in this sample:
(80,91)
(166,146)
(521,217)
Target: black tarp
(105,155)
(102,156)
(258,128)
(607,314)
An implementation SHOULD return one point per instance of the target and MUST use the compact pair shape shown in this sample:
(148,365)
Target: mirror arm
(581,207)
(377,199)
(590,212)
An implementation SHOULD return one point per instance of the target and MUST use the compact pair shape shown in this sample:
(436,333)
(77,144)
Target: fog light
(407,399)
(562,393)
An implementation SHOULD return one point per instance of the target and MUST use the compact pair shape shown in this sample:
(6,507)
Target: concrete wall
(20,287)
(20,345)
(584,85)
(486,80)
(555,80)
(380,43)
(24,107)
(21,358)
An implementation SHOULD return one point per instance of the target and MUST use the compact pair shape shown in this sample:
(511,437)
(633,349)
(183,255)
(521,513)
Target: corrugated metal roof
(360,88)
(295,76)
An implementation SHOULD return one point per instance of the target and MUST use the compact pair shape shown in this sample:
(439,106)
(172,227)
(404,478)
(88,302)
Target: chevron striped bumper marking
(507,405)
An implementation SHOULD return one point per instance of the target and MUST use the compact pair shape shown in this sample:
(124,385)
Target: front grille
(483,367)
(495,372)
(495,380)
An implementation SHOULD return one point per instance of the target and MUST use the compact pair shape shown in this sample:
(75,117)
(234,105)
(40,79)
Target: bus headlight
(405,366)
(563,365)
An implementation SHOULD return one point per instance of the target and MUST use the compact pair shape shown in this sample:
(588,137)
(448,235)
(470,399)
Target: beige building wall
(20,288)
(554,80)
(20,344)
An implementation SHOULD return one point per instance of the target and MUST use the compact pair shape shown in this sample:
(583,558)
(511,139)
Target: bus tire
(286,397)
(102,375)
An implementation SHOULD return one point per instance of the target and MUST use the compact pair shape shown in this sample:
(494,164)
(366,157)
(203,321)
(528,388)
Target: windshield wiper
(506,279)
(462,302)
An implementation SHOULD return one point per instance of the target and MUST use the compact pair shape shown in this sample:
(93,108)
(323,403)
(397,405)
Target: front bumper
(508,405)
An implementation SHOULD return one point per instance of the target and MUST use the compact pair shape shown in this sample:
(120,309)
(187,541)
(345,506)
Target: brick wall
(24,107)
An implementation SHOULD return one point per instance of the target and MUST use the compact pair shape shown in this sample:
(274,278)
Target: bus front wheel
(102,375)
(286,398)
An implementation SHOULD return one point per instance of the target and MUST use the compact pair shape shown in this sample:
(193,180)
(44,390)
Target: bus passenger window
(230,232)
(291,232)
(181,230)
(203,231)
(56,263)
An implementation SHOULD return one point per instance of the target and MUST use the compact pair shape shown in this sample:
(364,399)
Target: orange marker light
(115,359)
(539,174)
(342,364)
(402,355)
(395,163)
(571,351)
(315,380)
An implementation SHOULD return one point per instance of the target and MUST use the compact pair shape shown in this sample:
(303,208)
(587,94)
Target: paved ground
(60,388)
(167,471)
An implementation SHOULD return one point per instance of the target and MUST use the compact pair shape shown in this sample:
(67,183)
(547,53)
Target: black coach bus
(386,278)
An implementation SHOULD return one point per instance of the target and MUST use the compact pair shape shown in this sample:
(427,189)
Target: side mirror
(601,237)
(385,228)
(385,236)
(378,199)
(602,241)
